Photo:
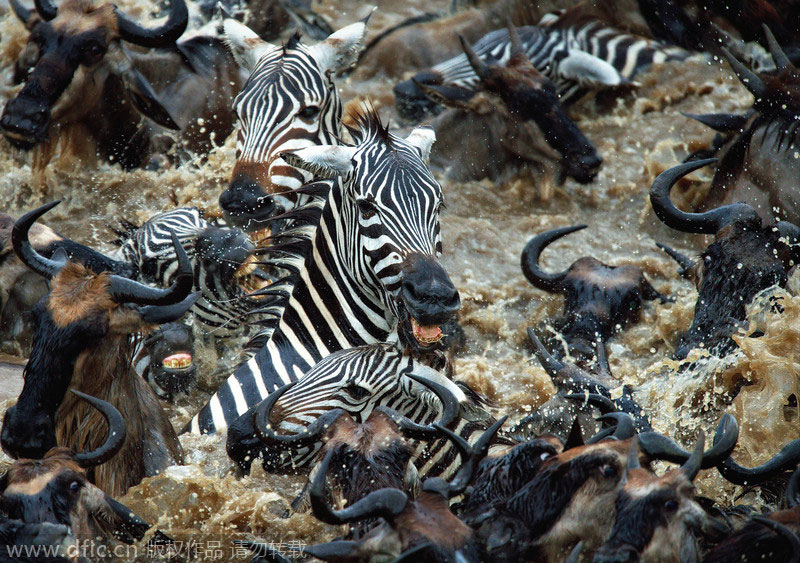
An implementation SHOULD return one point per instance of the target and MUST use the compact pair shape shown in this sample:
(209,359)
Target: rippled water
(484,228)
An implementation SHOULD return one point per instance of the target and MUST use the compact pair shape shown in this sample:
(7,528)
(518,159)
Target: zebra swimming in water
(573,55)
(368,273)
(289,102)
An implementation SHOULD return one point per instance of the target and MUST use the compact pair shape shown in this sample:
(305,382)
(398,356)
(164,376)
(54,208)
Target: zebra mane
(369,126)
(293,42)
(124,231)
(286,253)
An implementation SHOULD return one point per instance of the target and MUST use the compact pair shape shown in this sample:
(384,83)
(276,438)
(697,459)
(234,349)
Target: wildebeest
(747,256)
(83,340)
(599,299)
(516,117)
(758,164)
(80,76)
(166,360)
(56,488)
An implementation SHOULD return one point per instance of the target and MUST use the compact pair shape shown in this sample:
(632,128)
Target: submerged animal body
(369,268)
(79,76)
(83,340)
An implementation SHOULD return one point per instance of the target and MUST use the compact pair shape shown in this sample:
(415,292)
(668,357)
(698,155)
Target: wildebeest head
(598,299)
(72,51)
(83,319)
(55,488)
(746,257)
(289,102)
(759,164)
(389,205)
(526,95)
(658,518)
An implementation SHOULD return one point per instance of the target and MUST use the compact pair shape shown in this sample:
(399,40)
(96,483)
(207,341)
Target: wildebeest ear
(341,48)
(589,70)
(422,138)
(126,526)
(145,99)
(324,161)
(246,46)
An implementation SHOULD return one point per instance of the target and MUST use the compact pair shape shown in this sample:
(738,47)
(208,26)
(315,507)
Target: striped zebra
(575,56)
(369,273)
(224,262)
(358,380)
(289,102)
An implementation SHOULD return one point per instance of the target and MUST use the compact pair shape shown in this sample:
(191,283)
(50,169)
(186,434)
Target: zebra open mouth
(251,278)
(179,361)
(426,334)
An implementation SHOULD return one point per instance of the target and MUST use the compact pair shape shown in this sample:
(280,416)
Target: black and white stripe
(343,292)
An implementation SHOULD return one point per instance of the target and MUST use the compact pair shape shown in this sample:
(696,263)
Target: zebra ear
(588,70)
(422,139)
(245,45)
(324,161)
(341,48)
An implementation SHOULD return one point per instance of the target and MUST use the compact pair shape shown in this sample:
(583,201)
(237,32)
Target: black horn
(516,44)
(787,458)
(477,64)
(22,246)
(658,446)
(530,259)
(780,58)
(46,9)
(411,429)
(116,433)
(684,262)
(693,465)
(709,222)
(161,36)
(124,290)
(23,13)
(749,79)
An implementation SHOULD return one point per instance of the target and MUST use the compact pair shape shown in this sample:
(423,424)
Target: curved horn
(658,446)
(722,122)
(20,11)
(22,246)
(780,529)
(516,44)
(793,489)
(787,458)
(709,222)
(160,36)
(684,262)
(46,9)
(624,428)
(780,58)
(549,362)
(471,456)
(603,404)
(575,554)
(416,431)
(748,78)
(383,503)
(692,466)
(311,435)
(116,433)
(124,290)
(477,64)
(530,259)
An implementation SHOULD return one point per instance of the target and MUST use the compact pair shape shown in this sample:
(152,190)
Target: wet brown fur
(78,293)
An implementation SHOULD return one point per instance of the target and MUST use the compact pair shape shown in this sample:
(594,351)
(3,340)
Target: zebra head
(288,102)
(388,235)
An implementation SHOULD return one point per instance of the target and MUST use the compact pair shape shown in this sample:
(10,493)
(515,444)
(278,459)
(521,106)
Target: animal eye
(74,486)
(356,391)
(671,505)
(309,112)
(366,208)
(608,471)
(94,52)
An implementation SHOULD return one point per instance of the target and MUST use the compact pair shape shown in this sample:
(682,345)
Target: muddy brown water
(484,229)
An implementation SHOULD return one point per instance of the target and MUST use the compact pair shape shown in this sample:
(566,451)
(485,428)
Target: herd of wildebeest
(326,255)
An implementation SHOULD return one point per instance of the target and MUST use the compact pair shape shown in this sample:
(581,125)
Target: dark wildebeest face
(82,317)
(525,96)
(72,51)
(389,206)
(658,518)
(598,299)
(55,488)
(759,165)
(745,258)
(289,102)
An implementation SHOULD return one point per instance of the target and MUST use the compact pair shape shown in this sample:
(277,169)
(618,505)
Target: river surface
(484,229)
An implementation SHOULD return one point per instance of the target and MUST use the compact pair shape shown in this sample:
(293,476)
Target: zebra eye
(309,112)
(366,208)
(356,391)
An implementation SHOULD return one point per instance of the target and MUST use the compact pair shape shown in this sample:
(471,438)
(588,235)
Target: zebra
(224,261)
(358,380)
(367,273)
(288,102)
(574,56)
